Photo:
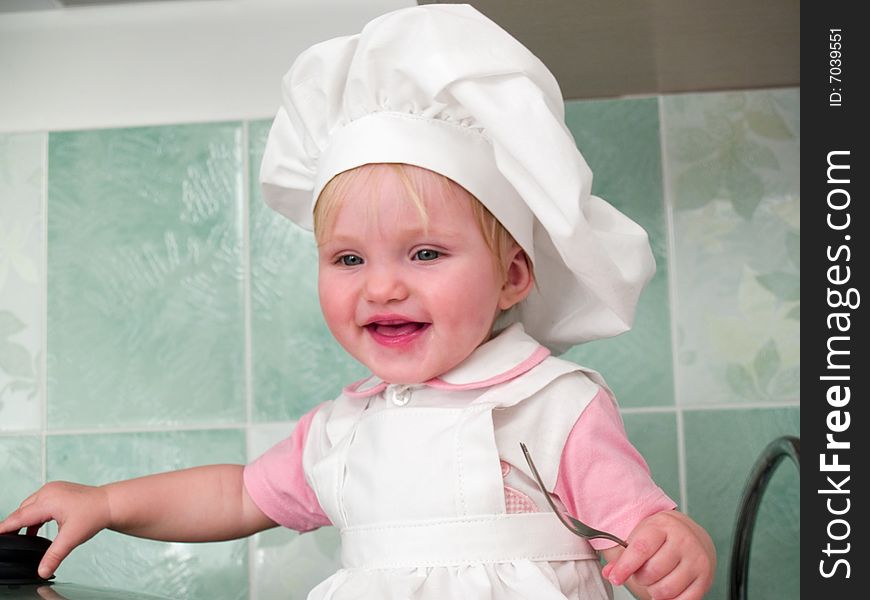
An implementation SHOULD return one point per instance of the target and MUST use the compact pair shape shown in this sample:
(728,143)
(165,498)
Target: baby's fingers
(29,516)
(59,550)
(658,567)
(69,536)
(634,556)
(674,584)
(695,591)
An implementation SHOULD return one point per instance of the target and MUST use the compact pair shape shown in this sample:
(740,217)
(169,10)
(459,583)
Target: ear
(518,279)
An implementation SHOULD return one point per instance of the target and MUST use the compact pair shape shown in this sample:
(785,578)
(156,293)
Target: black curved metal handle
(780,448)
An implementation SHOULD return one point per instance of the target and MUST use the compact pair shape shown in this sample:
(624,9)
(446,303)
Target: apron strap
(462,541)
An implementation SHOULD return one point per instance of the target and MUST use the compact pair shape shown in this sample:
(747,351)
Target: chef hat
(444,88)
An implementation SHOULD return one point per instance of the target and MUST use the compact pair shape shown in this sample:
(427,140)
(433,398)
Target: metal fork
(573,525)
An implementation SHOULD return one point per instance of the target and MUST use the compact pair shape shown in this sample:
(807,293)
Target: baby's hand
(669,557)
(80,511)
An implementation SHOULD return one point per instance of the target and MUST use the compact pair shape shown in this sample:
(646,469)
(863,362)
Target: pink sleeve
(276,482)
(603,480)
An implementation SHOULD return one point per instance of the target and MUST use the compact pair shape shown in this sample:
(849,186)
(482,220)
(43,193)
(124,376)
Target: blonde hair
(417,181)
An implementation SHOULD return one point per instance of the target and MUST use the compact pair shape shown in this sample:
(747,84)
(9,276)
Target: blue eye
(426,254)
(350,260)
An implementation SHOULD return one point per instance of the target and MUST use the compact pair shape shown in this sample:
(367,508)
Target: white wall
(160,62)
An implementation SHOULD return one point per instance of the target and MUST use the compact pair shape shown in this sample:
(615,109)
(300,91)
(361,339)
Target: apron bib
(416,490)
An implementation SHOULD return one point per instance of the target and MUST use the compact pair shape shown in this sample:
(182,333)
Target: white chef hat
(444,88)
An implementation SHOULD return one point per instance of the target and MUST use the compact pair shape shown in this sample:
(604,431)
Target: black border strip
(835,226)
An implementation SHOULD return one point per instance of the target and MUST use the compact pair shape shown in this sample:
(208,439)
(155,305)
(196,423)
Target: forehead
(403,179)
(397,194)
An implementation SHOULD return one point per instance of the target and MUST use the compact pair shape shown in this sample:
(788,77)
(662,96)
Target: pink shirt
(596,460)
(276,482)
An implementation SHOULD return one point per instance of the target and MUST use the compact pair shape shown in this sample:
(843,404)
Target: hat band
(457,152)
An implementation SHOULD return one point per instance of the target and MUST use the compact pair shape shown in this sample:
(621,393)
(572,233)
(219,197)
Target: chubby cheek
(469,303)
(336,308)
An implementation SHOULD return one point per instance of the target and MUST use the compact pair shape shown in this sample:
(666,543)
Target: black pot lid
(20,556)
(19,559)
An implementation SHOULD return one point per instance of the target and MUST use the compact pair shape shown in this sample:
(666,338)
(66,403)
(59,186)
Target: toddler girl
(458,247)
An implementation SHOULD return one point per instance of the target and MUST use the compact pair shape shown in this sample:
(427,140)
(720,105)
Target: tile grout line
(681,461)
(640,410)
(672,305)
(289,422)
(743,406)
(246,268)
(147,429)
(635,410)
(43,367)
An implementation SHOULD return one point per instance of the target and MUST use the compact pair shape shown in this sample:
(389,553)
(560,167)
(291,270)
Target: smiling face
(410,293)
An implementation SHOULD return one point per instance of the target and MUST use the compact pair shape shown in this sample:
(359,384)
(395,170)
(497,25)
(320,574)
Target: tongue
(398,330)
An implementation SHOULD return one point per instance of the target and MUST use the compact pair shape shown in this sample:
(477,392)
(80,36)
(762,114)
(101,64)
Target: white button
(399,395)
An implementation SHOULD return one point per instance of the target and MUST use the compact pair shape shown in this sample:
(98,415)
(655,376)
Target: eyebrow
(411,232)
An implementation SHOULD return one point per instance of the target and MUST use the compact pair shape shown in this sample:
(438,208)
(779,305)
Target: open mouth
(390,332)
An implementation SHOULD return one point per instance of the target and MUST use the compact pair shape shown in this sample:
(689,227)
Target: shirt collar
(508,355)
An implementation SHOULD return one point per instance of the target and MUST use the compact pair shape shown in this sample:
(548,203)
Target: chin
(403,379)
(401,376)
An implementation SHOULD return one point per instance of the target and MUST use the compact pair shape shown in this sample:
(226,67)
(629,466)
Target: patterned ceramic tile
(21,280)
(620,141)
(194,571)
(721,447)
(655,437)
(21,460)
(297,363)
(733,161)
(145,285)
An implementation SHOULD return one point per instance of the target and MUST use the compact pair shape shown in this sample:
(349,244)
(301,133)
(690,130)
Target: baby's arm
(193,505)
(669,557)
(667,550)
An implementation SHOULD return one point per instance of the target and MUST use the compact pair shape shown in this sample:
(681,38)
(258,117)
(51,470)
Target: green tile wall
(655,436)
(620,141)
(145,277)
(737,437)
(178,323)
(733,162)
(21,464)
(22,309)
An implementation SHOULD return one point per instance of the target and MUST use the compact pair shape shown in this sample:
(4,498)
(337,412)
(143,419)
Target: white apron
(412,478)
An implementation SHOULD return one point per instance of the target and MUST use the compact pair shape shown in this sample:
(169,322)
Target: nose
(384,284)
